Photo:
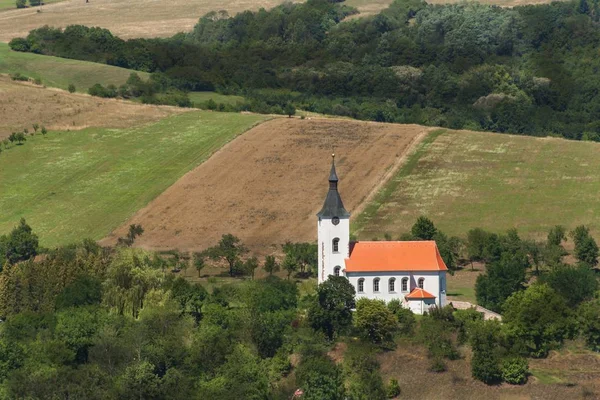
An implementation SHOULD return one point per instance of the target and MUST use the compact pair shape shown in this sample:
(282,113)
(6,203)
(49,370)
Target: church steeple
(333,206)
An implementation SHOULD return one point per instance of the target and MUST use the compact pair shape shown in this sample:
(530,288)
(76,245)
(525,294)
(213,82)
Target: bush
(515,370)
(21,3)
(101,91)
(19,44)
(374,320)
(17,76)
(393,389)
(406,318)
(72,88)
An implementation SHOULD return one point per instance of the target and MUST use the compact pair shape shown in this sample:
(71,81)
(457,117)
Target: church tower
(333,231)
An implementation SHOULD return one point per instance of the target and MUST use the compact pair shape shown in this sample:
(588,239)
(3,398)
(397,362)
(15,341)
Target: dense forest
(528,70)
(87,322)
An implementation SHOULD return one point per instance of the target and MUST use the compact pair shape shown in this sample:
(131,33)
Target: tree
(501,280)
(230,249)
(331,312)
(44,130)
(406,318)
(36,127)
(476,243)
(289,109)
(85,290)
(20,245)
(132,234)
(586,249)
(290,266)
(20,138)
(302,255)
(589,323)
(320,378)
(21,3)
(199,263)
(139,382)
(556,235)
(374,320)
(251,265)
(538,319)
(271,266)
(423,229)
(72,88)
(574,284)
(485,365)
(449,249)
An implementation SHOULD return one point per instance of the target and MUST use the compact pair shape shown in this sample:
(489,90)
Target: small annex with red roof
(410,271)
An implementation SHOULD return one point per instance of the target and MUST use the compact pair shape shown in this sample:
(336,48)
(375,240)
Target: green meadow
(60,72)
(78,184)
(462,180)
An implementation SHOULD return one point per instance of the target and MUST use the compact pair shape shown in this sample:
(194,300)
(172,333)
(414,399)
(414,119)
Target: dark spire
(333,206)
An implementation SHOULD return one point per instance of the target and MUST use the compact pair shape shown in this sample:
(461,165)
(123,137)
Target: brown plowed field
(23,104)
(267,185)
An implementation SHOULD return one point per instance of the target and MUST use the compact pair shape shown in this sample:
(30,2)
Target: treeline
(86,322)
(525,70)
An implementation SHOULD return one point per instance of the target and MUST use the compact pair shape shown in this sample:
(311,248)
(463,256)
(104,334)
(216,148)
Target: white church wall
(434,283)
(328,259)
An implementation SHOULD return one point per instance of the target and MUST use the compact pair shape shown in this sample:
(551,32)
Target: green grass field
(78,184)
(463,180)
(201,97)
(60,72)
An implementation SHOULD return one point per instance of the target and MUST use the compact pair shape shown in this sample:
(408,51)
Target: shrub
(19,44)
(37,81)
(515,370)
(393,389)
(21,3)
(17,76)
(72,88)
(406,318)
(374,320)
(34,3)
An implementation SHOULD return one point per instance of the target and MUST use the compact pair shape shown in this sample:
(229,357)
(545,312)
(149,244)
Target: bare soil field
(409,365)
(267,185)
(127,19)
(24,104)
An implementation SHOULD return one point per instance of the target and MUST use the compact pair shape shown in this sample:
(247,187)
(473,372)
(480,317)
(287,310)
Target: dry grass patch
(267,185)
(24,104)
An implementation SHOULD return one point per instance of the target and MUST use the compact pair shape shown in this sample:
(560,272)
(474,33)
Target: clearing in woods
(73,185)
(267,185)
(23,104)
(462,180)
(158,18)
(60,72)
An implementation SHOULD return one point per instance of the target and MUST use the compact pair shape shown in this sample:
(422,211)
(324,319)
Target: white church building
(410,271)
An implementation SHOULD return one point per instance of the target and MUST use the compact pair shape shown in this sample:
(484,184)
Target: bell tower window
(336,270)
(336,245)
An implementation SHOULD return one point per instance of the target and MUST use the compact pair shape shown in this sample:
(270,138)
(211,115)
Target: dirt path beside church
(267,185)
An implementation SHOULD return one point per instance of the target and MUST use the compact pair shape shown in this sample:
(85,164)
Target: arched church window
(336,270)
(336,245)
(405,284)
(376,285)
(392,285)
(421,282)
(361,285)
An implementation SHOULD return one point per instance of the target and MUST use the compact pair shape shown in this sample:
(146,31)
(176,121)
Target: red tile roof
(394,256)
(419,294)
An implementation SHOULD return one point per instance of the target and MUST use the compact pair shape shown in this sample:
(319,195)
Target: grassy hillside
(71,185)
(60,72)
(463,180)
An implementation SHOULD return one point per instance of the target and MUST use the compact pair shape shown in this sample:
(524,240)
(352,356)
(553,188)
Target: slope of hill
(60,72)
(267,185)
(23,104)
(72,185)
(462,180)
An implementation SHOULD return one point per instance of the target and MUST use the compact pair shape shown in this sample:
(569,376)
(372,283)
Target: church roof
(419,294)
(333,206)
(394,256)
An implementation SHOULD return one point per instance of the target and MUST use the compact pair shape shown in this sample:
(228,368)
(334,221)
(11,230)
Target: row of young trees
(520,70)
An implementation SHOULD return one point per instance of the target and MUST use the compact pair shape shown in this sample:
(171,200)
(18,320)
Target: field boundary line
(387,185)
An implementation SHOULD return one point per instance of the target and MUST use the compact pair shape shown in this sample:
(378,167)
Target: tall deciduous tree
(586,249)
(271,265)
(331,312)
(230,249)
(423,229)
(20,245)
